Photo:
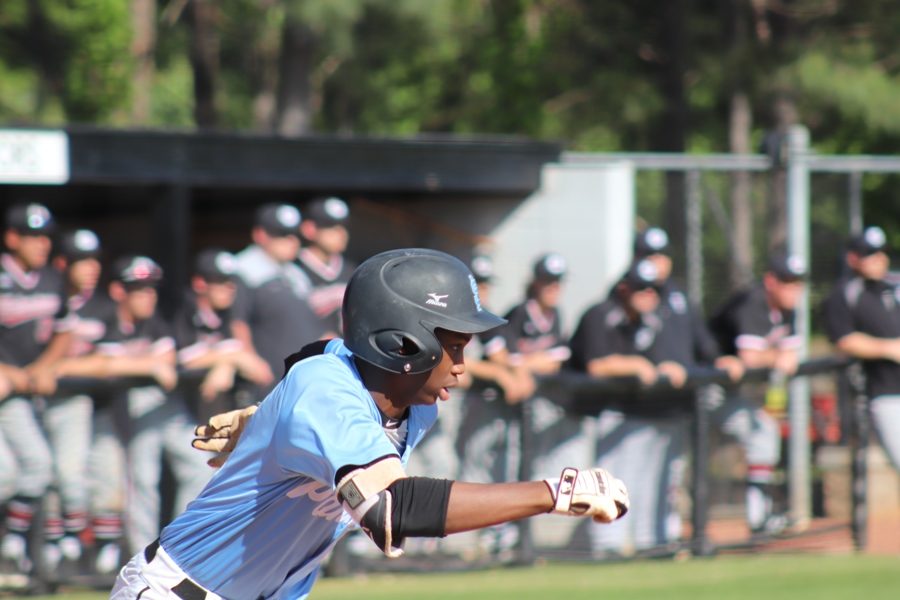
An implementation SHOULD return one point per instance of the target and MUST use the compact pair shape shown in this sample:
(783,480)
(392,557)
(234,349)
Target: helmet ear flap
(407,353)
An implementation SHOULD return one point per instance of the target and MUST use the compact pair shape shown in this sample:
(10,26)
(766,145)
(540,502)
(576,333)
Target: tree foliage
(598,76)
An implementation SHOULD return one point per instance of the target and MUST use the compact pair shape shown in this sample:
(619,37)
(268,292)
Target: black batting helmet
(395,300)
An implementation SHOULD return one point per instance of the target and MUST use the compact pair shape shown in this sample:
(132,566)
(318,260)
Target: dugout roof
(167,192)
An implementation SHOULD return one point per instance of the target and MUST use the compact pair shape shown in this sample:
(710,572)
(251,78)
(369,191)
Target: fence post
(526,460)
(700,544)
(799,455)
(694,245)
(859,447)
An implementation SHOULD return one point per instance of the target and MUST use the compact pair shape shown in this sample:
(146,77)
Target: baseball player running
(325,451)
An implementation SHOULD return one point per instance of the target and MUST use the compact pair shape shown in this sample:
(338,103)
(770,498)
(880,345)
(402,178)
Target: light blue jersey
(266,519)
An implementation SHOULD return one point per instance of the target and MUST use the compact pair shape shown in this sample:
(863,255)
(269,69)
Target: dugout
(167,193)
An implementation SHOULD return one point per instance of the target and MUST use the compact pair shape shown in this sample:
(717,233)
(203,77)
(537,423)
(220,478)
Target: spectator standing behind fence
(758,325)
(641,434)
(35,333)
(492,390)
(205,340)
(271,313)
(140,343)
(862,319)
(323,230)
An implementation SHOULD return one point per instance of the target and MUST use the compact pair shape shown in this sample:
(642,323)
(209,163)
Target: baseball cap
(136,271)
(642,274)
(78,245)
(278,219)
(214,264)
(549,267)
(788,267)
(652,240)
(30,219)
(327,212)
(869,241)
(482,268)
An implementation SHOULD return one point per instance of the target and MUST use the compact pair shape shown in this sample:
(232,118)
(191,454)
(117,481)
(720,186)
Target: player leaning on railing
(326,450)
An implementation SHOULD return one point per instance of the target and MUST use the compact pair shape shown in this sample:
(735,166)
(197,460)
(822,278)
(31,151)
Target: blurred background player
(486,445)
(68,416)
(862,319)
(79,256)
(323,230)
(534,333)
(675,308)
(758,326)
(138,342)
(642,434)
(205,339)
(271,313)
(35,333)
(535,344)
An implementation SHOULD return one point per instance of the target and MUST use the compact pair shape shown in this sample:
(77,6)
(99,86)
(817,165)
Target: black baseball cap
(327,212)
(78,244)
(868,242)
(30,219)
(788,267)
(549,267)
(482,268)
(652,240)
(215,264)
(278,219)
(136,271)
(642,274)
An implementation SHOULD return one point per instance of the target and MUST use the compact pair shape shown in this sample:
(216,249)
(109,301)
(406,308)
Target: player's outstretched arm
(389,506)
(587,493)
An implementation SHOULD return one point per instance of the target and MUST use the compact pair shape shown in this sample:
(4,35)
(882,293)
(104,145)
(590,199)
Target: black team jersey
(32,309)
(329,280)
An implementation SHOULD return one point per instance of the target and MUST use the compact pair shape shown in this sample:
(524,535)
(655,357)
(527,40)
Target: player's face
(446,374)
(84,274)
(332,240)
(221,294)
(140,302)
(786,294)
(644,301)
(874,266)
(547,293)
(33,251)
(282,248)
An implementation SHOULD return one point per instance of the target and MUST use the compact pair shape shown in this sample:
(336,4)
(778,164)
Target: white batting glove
(590,493)
(221,434)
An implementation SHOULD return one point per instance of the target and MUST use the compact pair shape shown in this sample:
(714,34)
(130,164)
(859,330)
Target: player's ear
(308,229)
(198,284)
(116,291)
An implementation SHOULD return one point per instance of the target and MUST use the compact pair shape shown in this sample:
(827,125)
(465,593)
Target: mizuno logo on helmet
(437,299)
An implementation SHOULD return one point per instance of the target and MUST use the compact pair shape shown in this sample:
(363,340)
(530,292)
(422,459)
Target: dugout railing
(582,395)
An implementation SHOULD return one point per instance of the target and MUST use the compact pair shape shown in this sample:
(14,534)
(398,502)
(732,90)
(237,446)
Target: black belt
(187,589)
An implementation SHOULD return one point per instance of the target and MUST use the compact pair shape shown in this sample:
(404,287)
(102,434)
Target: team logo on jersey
(436,299)
(678,302)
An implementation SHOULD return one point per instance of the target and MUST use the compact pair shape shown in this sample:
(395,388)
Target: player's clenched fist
(589,493)
(222,433)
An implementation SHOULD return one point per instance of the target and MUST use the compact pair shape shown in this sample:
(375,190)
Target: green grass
(769,577)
